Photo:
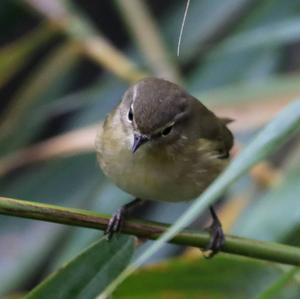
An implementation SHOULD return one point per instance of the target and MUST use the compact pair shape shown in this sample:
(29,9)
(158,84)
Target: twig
(151,230)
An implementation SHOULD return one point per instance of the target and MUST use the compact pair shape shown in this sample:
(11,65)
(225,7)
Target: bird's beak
(138,141)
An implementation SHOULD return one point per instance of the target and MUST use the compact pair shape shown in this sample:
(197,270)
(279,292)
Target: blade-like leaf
(275,226)
(271,35)
(15,55)
(219,278)
(42,85)
(281,287)
(250,65)
(271,89)
(86,275)
(50,183)
(274,134)
(221,14)
(107,199)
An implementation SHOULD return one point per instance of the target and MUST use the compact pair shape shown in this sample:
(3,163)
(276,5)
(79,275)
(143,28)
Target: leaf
(86,275)
(49,183)
(284,218)
(107,199)
(270,35)
(274,134)
(271,89)
(283,284)
(193,278)
(15,55)
(205,19)
(46,82)
(248,65)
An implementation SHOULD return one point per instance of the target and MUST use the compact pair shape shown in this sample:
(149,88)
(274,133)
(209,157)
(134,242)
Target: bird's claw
(115,223)
(217,237)
(117,220)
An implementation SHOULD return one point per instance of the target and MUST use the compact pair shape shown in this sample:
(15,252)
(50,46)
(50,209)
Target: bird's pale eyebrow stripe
(135,92)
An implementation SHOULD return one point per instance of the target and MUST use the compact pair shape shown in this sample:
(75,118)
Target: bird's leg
(116,221)
(217,237)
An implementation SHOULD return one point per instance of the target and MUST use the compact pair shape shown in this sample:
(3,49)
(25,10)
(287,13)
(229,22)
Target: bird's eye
(166,131)
(130,115)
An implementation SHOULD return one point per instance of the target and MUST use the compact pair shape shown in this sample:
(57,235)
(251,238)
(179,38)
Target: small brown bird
(160,143)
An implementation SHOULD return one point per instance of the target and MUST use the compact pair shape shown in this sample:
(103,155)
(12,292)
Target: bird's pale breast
(175,172)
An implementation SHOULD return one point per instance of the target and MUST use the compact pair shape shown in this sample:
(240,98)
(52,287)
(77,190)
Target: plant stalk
(262,250)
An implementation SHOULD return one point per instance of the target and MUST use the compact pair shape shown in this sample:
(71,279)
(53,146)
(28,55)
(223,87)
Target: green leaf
(107,199)
(269,90)
(86,275)
(15,55)
(193,278)
(42,85)
(205,19)
(250,65)
(270,35)
(275,226)
(273,135)
(50,183)
(281,287)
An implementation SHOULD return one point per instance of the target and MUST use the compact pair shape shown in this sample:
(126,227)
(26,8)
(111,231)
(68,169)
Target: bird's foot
(217,237)
(115,223)
(117,220)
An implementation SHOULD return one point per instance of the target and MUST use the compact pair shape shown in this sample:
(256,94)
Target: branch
(151,230)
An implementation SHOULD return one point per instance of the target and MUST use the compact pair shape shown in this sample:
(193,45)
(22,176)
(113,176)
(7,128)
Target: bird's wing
(226,136)
(214,128)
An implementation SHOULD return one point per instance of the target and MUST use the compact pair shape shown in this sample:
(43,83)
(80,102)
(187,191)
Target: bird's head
(154,111)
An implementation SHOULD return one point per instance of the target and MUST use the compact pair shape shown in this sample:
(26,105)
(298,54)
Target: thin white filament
(182,26)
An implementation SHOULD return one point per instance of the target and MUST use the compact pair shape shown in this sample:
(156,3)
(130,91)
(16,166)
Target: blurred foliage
(87,275)
(240,56)
(193,277)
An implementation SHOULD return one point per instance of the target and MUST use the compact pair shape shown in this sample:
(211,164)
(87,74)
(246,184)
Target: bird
(161,143)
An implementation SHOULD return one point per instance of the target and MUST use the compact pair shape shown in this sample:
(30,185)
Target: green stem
(151,230)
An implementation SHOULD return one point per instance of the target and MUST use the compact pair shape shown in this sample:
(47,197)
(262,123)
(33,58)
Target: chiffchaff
(160,143)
